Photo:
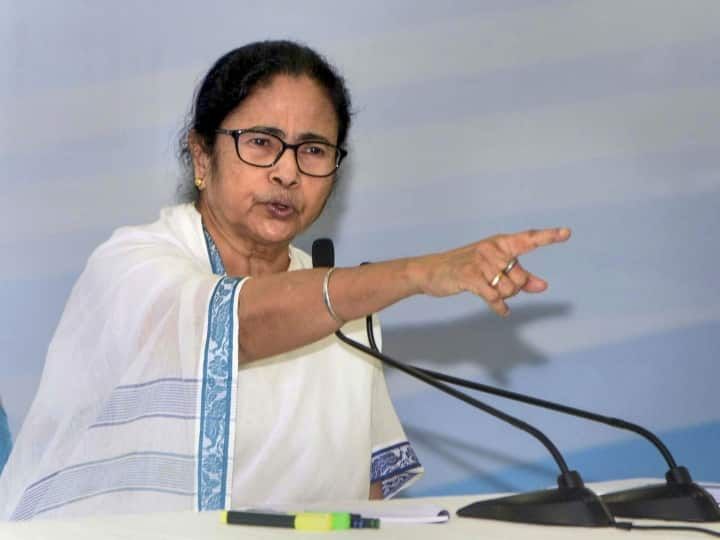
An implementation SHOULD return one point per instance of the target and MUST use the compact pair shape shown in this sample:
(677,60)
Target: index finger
(520,243)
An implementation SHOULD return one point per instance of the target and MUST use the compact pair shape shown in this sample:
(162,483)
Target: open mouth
(279,209)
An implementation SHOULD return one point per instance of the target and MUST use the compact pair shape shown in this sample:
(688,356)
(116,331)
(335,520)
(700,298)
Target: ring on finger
(510,265)
(496,280)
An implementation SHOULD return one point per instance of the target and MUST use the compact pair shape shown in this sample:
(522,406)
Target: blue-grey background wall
(473,117)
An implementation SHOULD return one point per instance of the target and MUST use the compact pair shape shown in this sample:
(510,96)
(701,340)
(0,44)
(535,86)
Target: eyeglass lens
(262,149)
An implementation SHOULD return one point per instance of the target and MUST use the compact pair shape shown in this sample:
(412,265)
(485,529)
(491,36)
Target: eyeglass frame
(235,134)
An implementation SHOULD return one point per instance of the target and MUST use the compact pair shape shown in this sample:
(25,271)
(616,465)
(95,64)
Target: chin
(279,235)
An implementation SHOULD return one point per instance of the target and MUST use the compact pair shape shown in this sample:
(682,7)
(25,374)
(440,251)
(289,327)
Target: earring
(199,183)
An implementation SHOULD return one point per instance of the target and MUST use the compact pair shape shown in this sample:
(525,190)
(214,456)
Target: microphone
(679,499)
(323,253)
(571,503)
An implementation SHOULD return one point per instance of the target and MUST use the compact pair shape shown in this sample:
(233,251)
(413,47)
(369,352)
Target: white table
(195,526)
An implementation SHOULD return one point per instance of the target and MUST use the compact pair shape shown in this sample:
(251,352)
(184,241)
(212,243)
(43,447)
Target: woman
(195,364)
(5,437)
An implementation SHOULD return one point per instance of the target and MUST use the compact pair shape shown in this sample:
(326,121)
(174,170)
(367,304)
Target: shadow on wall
(494,344)
(474,460)
(484,338)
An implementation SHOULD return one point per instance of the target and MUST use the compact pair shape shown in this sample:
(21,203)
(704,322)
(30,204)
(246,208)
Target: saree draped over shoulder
(141,406)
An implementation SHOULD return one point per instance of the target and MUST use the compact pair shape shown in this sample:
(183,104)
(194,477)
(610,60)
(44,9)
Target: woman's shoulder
(178,229)
(174,224)
(171,244)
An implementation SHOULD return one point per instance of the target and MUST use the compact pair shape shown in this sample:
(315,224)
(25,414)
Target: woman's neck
(243,256)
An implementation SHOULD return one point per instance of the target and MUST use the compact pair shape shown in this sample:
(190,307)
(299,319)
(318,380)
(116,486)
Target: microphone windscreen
(323,253)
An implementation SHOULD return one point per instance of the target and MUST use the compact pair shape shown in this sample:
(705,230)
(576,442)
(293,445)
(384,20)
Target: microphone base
(569,506)
(670,501)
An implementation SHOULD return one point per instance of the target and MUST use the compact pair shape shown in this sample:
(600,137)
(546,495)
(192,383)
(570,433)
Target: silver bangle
(326,297)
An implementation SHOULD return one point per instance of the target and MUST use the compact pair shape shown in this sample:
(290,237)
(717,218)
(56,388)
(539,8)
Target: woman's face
(269,205)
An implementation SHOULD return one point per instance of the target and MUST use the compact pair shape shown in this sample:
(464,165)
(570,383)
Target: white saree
(141,406)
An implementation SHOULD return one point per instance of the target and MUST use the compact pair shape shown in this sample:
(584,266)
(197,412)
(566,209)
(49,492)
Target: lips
(280,209)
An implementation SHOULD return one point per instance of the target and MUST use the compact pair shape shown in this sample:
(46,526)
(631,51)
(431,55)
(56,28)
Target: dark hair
(234,77)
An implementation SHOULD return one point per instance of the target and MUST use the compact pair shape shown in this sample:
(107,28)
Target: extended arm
(280,312)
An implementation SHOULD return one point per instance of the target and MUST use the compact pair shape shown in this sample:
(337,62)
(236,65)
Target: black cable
(539,435)
(629,526)
(624,525)
(530,400)
(369,325)
(371,333)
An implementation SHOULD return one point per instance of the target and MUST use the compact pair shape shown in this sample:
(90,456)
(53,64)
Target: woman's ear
(200,155)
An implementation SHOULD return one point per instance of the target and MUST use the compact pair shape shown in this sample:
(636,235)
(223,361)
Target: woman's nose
(286,171)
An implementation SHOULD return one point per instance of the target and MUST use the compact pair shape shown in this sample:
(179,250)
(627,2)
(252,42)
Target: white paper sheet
(397,513)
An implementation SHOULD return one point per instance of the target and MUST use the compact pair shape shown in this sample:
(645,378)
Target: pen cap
(313,522)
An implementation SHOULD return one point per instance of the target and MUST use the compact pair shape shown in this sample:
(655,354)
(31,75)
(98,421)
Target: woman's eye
(259,141)
(315,150)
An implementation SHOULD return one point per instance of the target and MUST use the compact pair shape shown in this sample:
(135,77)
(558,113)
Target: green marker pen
(259,519)
(340,521)
(304,521)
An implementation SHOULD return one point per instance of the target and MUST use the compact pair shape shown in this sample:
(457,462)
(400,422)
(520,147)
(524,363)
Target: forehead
(292,104)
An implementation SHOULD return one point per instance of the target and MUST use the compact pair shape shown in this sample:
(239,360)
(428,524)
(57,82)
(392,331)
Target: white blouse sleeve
(394,462)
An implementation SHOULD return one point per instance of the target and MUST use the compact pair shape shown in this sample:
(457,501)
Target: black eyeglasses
(263,149)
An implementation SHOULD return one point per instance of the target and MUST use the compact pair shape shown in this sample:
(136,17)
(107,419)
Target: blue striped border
(85,480)
(142,417)
(216,264)
(216,398)
(156,381)
(116,490)
(159,398)
(393,460)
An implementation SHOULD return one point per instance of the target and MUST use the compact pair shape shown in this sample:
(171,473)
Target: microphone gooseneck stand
(679,499)
(571,503)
